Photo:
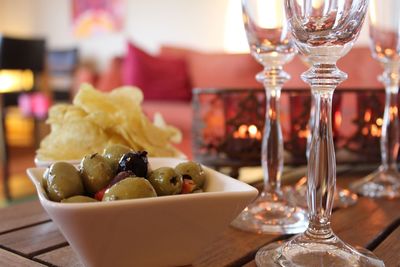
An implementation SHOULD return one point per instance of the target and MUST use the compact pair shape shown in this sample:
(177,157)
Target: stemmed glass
(343,198)
(324,31)
(271,46)
(384,27)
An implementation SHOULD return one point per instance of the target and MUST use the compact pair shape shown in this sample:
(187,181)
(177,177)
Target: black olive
(135,162)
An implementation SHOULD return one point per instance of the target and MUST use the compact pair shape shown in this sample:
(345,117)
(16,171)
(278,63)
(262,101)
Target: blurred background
(109,43)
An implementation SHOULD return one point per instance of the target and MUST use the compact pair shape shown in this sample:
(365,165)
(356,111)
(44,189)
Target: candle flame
(253,130)
(375,131)
(367,115)
(338,119)
(245,131)
(303,133)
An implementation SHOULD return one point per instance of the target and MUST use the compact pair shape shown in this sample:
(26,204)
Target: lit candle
(253,131)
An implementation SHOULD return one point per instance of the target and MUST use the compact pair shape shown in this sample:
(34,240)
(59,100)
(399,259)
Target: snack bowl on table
(159,231)
(44,163)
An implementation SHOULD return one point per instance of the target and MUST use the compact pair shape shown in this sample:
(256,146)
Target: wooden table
(29,238)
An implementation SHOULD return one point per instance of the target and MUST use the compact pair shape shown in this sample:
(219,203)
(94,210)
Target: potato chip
(96,119)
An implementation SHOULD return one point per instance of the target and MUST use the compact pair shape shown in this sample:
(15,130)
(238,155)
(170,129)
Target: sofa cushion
(217,70)
(159,78)
(112,77)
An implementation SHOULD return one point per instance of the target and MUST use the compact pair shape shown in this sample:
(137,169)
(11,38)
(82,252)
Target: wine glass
(343,198)
(384,28)
(271,46)
(324,31)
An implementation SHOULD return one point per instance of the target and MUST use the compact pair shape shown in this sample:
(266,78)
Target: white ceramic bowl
(42,163)
(161,231)
(47,162)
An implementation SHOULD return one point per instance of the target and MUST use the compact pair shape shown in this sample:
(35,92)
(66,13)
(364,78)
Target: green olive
(78,199)
(62,180)
(166,181)
(96,172)
(192,170)
(113,153)
(131,187)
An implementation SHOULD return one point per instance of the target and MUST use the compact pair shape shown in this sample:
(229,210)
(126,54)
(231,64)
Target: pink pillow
(159,78)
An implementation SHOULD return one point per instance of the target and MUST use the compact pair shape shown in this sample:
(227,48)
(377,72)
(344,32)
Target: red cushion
(159,78)
(217,70)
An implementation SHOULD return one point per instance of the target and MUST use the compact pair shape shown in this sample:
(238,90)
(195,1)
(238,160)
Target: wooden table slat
(9,259)
(21,215)
(32,240)
(64,256)
(385,250)
(234,242)
(365,223)
(361,224)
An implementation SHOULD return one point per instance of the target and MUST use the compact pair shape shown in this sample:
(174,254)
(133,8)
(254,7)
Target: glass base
(270,213)
(381,183)
(305,251)
(297,194)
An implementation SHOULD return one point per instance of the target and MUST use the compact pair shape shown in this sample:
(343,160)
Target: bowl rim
(40,162)
(245,189)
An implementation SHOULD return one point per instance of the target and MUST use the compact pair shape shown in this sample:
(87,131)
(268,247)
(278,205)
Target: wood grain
(233,244)
(237,247)
(64,256)
(21,215)
(361,225)
(9,259)
(389,249)
(33,240)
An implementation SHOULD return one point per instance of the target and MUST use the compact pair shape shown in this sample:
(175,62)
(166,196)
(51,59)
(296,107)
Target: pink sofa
(220,70)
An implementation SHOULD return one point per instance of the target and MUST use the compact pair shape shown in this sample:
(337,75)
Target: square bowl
(160,231)
(44,163)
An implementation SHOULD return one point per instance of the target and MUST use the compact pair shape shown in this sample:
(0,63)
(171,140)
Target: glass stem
(390,127)
(321,166)
(323,79)
(310,126)
(272,144)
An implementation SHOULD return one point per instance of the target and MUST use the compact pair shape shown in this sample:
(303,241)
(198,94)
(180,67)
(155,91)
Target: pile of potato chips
(96,119)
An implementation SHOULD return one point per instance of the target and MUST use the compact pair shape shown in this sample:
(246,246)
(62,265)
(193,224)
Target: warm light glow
(393,111)
(16,80)
(19,129)
(379,121)
(253,131)
(375,131)
(367,115)
(303,133)
(338,119)
(389,52)
(244,132)
(364,131)
(316,4)
(235,40)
